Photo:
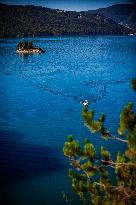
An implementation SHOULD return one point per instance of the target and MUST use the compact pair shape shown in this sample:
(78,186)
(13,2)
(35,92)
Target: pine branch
(107,132)
(117,138)
(113,163)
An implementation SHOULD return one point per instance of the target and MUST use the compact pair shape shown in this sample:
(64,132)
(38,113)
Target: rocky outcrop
(27,47)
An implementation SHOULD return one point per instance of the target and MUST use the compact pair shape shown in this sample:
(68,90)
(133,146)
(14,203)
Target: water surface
(40,105)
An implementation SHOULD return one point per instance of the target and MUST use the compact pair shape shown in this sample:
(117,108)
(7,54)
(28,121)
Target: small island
(27,47)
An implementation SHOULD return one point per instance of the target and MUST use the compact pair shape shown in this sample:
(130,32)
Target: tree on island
(25,45)
(92,172)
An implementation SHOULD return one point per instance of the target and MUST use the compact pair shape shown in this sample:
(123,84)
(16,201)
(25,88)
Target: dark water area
(25,160)
(41,102)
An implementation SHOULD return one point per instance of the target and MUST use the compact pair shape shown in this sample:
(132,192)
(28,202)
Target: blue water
(40,105)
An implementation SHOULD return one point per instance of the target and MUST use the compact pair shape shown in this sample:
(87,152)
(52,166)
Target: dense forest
(124,14)
(18,21)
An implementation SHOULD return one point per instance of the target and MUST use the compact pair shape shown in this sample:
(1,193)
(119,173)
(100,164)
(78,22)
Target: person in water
(85,103)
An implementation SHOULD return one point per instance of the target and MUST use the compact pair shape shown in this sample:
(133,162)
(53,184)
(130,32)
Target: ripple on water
(40,102)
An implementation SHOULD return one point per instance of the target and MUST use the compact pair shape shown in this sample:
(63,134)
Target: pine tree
(25,45)
(91,171)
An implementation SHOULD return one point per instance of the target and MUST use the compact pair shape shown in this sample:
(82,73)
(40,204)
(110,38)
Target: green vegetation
(19,21)
(92,173)
(25,45)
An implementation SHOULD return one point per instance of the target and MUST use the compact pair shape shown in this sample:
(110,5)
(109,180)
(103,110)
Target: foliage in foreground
(91,171)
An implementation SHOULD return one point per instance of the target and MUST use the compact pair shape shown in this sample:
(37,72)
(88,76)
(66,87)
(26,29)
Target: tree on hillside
(91,171)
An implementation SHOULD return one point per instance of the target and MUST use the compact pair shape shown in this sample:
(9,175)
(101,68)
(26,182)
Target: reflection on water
(40,105)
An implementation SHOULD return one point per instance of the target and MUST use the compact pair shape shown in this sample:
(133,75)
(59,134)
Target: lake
(41,99)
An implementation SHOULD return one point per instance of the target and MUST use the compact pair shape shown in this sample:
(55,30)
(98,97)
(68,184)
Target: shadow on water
(5,199)
(19,161)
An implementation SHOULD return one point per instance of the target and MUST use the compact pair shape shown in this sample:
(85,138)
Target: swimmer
(85,103)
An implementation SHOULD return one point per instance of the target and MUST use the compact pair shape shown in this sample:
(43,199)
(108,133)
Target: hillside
(124,14)
(40,21)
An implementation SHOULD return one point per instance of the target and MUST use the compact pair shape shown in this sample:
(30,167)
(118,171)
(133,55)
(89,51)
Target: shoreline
(35,50)
(63,36)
